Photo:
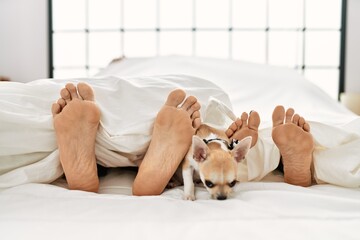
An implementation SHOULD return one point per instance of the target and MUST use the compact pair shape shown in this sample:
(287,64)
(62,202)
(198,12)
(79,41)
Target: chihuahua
(215,162)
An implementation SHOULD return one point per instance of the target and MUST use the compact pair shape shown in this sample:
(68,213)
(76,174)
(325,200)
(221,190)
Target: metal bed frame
(230,30)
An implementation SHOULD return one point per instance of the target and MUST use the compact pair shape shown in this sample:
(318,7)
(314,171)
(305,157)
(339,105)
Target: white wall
(23,39)
(352,73)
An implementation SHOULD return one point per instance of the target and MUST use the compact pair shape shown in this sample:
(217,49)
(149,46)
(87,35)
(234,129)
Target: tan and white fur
(214,163)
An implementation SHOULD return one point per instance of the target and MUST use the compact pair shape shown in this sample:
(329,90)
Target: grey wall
(352,73)
(23,39)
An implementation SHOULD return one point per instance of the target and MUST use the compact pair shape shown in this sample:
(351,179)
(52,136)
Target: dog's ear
(200,149)
(242,148)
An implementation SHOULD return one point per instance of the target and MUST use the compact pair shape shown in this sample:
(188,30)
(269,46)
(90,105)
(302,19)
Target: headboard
(84,35)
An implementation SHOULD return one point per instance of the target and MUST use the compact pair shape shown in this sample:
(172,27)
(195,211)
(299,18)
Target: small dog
(215,161)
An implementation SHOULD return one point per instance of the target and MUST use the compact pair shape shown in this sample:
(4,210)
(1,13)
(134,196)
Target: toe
(175,98)
(301,122)
(55,109)
(193,108)
(295,119)
(196,123)
(254,120)
(196,120)
(188,103)
(229,132)
(238,124)
(195,115)
(232,128)
(72,90)
(244,119)
(65,94)
(289,114)
(278,116)
(62,103)
(85,92)
(306,127)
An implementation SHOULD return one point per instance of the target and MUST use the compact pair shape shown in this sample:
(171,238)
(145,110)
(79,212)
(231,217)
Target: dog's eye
(209,184)
(232,183)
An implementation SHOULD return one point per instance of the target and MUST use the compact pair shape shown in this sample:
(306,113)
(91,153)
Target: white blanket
(129,106)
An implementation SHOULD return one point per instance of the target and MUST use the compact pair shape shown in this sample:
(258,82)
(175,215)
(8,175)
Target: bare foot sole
(174,127)
(247,125)
(291,134)
(76,120)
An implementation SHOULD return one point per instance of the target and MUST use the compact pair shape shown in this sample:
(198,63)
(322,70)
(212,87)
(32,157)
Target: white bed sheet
(258,210)
(269,209)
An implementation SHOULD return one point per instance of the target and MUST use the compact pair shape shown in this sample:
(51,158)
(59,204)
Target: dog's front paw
(189,197)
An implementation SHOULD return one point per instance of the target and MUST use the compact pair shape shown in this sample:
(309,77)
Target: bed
(265,209)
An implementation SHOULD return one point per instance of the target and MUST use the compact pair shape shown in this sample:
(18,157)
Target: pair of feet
(290,133)
(76,120)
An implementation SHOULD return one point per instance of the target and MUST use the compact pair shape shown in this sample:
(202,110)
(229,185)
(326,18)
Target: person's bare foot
(245,126)
(291,134)
(76,120)
(174,127)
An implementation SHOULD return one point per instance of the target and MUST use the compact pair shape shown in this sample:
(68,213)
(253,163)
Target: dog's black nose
(221,197)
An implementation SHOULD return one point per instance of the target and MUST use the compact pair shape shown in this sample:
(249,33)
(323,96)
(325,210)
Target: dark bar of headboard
(342,48)
(50,41)
(342,29)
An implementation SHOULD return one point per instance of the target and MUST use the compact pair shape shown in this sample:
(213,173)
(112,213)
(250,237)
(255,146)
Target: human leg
(76,120)
(173,129)
(291,134)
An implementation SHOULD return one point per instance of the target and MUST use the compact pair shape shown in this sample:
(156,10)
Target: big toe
(85,92)
(175,98)
(278,116)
